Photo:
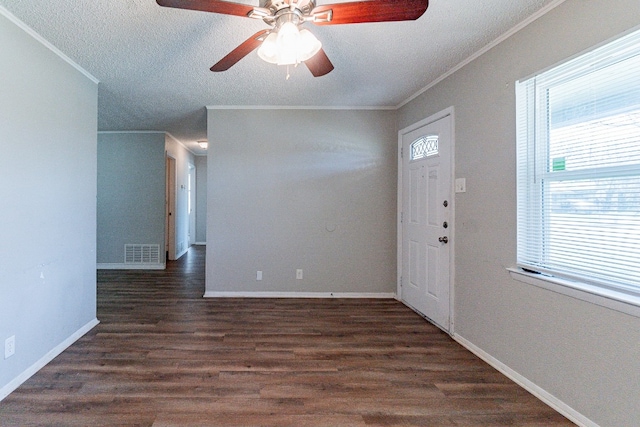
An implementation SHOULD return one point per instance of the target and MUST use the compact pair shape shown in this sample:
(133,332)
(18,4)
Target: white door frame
(451,246)
(171,183)
(191,195)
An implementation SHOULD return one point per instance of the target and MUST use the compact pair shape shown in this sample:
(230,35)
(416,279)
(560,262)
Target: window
(578,188)
(425,146)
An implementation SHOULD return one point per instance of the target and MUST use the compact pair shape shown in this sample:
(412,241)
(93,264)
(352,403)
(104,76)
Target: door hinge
(401,217)
(400,281)
(402,152)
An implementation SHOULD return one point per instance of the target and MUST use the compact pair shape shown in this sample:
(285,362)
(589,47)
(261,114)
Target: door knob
(444,239)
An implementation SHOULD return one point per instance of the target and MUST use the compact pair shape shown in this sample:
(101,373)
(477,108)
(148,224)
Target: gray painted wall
(131,193)
(48,124)
(201,199)
(586,355)
(315,190)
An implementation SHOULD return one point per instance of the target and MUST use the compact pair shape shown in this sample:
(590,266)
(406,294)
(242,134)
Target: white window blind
(578,167)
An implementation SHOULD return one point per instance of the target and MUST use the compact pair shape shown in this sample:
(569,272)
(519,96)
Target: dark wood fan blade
(215,6)
(373,11)
(319,64)
(240,52)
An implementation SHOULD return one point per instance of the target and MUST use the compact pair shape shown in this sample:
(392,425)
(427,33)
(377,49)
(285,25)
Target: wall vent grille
(141,254)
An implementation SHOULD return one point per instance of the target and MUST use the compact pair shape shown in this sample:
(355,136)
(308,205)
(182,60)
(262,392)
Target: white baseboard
(557,404)
(352,295)
(200,243)
(123,266)
(52,354)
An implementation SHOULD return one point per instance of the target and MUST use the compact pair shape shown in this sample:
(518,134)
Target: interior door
(426,219)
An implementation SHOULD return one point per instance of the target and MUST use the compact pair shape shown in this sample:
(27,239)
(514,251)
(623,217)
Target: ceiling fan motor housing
(305,6)
(277,12)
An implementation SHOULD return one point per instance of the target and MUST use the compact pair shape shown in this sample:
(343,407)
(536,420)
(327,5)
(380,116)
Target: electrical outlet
(299,274)
(259,275)
(9,346)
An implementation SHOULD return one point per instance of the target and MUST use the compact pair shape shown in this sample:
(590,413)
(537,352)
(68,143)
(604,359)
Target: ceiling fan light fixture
(289,45)
(203,144)
(309,45)
(268,50)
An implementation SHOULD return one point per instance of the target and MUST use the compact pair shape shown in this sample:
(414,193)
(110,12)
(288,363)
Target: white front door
(426,208)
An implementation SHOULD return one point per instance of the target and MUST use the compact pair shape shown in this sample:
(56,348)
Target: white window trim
(627,302)
(609,298)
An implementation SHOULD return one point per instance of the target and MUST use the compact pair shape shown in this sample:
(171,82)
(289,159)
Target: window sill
(614,300)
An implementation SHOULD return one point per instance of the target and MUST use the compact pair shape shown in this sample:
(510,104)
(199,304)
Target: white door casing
(170,207)
(425,228)
(191,203)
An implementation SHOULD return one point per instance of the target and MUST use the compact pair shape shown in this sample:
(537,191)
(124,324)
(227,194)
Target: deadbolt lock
(445,224)
(445,204)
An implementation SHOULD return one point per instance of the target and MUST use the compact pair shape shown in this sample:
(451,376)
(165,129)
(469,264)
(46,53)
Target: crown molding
(548,8)
(298,107)
(24,27)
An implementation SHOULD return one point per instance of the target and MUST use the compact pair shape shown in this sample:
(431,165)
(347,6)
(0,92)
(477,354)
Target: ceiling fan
(286,42)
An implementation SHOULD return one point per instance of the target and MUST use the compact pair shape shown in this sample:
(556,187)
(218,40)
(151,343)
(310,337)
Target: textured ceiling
(153,62)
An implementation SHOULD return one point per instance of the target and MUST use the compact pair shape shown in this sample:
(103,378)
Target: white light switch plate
(461,185)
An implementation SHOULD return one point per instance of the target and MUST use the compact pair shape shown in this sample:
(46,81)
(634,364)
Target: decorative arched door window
(425,146)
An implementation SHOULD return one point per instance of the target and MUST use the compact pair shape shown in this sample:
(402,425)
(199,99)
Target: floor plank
(164,356)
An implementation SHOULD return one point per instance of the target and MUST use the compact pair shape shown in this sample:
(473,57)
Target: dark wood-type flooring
(164,356)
